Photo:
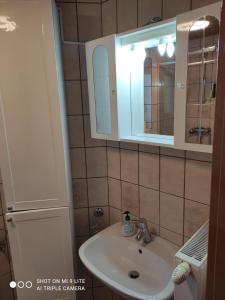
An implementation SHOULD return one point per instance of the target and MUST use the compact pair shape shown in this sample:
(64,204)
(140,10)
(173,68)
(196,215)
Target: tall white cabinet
(33,145)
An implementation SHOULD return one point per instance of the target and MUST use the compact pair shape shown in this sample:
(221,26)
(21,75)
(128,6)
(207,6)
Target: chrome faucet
(144,233)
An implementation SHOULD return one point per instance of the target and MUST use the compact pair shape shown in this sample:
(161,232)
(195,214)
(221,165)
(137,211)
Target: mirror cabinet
(157,84)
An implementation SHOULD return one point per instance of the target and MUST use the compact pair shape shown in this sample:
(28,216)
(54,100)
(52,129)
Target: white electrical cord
(181,272)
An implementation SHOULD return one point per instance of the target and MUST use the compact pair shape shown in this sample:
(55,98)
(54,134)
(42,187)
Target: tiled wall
(170,188)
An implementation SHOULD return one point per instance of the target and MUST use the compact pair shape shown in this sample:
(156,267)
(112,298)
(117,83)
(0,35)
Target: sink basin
(111,257)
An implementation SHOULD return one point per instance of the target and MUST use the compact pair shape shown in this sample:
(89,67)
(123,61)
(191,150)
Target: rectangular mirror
(159,77)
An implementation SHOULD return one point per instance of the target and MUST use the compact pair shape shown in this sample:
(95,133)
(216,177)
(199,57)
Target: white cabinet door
(101,71)
(196,76)
(33,157)
(41,248)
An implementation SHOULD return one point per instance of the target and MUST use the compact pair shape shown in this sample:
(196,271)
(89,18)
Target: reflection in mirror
(201,80)
(159,76)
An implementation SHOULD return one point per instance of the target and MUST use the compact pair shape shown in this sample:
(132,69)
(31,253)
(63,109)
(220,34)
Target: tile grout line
(159,191)
(185,162)
(85,156)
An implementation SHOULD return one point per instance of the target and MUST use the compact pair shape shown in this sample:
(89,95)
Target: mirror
(201,80)
(102,90)
(159,77)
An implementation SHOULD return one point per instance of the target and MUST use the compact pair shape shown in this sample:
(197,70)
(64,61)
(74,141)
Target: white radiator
(194,253)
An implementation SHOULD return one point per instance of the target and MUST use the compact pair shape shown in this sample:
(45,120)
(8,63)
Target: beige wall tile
(97,282)
(186,239)
(149,170)
(85,98)
(127,14)
(71,65)
(81,221)
(109,17)
(128,146)
(199,156)
(5,291)
(172,152)
(130,199)
(4,263)
(171,8)
(149,148)
(129,166)
(80,193)
(114,215)
(73,97)
(98,223)
(173,237)
(89,1)
(84,295)
(195,215)
(89,21)
(82,272)
(2,226)
(198,181)
(1,199)
(147,9)
(172,175)
(69,18)
(98,191)
(2,234)
(114,193)
(78,162)
(117,297)
(96,162)
(83,65)
(171,212)
(200,3)
(154,228)
(149,205)
(114,144)
(89,141)
(102,293)
(75,131)
(113,156)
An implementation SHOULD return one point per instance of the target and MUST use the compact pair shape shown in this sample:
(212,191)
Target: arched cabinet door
(101,71)
(196,78)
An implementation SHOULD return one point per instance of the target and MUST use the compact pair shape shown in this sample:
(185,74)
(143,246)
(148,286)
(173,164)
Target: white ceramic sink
(110,257)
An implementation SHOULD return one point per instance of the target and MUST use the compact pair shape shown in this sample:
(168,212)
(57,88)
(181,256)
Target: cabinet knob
(9,219)
(10,208)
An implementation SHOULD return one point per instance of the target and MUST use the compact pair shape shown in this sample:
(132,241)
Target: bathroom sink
(115,259)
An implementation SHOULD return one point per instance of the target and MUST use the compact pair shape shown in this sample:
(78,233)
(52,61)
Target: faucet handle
(143,223)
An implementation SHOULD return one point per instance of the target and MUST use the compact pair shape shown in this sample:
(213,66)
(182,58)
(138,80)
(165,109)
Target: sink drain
(134,274)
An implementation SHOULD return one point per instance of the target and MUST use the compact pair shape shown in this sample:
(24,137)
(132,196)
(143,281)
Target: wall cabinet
(157,85)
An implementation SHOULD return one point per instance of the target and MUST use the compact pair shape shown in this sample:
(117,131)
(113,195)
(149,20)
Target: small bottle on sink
(128,226)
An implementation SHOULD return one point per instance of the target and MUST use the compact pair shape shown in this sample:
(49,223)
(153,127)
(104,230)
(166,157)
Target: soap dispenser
(128,226)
